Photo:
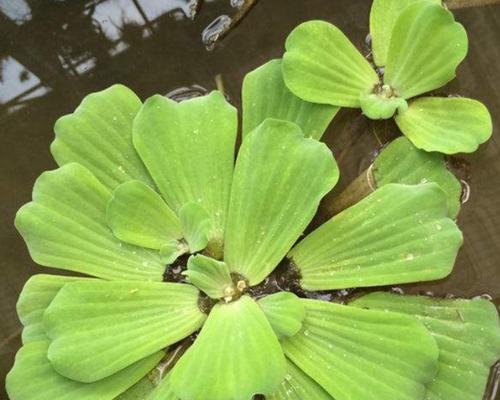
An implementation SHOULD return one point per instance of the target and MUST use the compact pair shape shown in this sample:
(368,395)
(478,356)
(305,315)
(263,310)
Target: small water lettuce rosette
(417,46)
(141,188)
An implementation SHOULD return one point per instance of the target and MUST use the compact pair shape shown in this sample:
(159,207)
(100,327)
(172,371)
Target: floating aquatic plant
(145,190)
(417,46)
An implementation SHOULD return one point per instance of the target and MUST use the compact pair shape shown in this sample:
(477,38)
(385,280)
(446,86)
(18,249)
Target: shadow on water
(52,53)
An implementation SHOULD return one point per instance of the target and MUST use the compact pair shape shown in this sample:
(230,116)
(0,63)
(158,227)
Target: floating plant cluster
(195,281)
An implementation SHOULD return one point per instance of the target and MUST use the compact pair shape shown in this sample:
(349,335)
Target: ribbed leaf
(265,95)
(98,135)
(38,292)
(279,179)
(98,328)
(236,356)
(138,215)
(298,386)
(426,47)
(211,276)
(401,162)
(397,234)
(446,124)
(321,65)
(357,354)
(383,16)
(164,390)
(195,222)
(65,227)
(32,377)
(378,107)
(188,148)
(466,331)
(284,311)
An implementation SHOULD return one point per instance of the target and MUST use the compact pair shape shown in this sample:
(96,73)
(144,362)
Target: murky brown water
(52,53)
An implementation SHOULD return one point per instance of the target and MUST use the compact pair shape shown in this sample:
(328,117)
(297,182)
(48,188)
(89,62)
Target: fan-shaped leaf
(446,124)
(321,65)
(188,148)
(378,107)
(279,179)
(265,95)
(426,47)
(32,377)
(298,386)
(284,311)
(211,276)
(383,16)
(65,227)
(195,223)
(98,328)
(98,135)
(466,331)
(397,234)
(401,162)
(236,356)
(138,215)
(38,292)
(358,354)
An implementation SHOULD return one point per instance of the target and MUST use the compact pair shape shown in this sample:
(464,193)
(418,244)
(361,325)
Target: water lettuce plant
(417,46)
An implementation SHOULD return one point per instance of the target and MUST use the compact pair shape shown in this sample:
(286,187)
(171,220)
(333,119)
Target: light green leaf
(426,47)
(397,234)
(164,390)
(284,311)
(98,328)
(236,356)
(211,276)
(298,386)
(38,292)
(383,16)
(170,251)
(356,354)
(446,124)
(188,148)
(196,225)
(378,107)
(32,377)
(321,65)
(141,390)
(98,135)
(401,162)
(138,215)
(265,95)
(65,227)
(279,179)
(466,331)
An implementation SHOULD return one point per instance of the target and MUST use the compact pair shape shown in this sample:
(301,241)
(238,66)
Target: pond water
(52,53)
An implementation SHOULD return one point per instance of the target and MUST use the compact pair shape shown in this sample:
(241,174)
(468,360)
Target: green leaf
(265,95)
(446,124)
(38,292)
(188,148)
(170,251)
(138,215)
(383,16)
(298,386)
(236,356)
(401,162)
(279,179)
(426,47)
(65,227)
(378,107)
(211,276)
(466,331)
(140,391)
(321,65)
(397,234)
(98,135)
(284,311)
(356,354)
(32,377)
(98,328)
(164,390)
(196,224)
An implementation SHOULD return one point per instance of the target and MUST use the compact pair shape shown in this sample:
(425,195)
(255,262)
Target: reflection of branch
(454,4)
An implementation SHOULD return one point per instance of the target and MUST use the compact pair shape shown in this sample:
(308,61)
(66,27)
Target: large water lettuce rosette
(143,187)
